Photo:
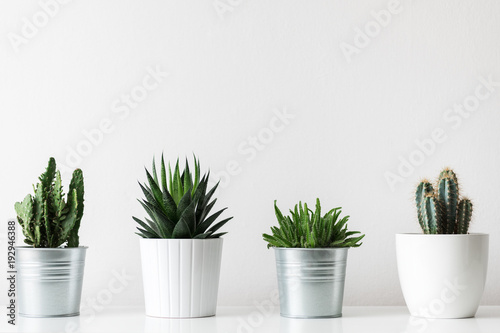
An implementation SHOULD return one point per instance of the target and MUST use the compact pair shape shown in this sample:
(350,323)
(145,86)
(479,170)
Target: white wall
(355,115)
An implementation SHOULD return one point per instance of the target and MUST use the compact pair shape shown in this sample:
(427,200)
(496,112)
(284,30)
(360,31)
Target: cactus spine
(442,212)
(46,219)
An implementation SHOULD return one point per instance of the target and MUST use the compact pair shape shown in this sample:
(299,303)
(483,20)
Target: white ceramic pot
(181,276)
(442,276)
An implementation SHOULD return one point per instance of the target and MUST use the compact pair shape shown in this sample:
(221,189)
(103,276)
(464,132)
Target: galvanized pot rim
(50,248)
(311,249)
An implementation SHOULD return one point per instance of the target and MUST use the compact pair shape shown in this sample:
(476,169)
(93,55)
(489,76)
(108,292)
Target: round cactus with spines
(442,211)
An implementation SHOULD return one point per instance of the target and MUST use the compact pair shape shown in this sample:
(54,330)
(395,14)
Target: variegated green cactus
(442,211)
(46,218)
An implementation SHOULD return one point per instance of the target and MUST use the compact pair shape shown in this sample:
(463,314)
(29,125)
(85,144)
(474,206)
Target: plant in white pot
(50,270)
(311,256)
(443,271)
(180,247)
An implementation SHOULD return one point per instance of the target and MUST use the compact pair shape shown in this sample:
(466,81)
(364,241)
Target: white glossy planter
(442,276)
(181,276)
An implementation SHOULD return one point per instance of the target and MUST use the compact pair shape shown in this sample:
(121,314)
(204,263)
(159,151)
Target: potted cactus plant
(442,271)
(311,255)
(181,247)
(50,270)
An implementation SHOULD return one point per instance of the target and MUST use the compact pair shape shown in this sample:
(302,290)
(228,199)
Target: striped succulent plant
(179,207)
(305,228)
(442,211)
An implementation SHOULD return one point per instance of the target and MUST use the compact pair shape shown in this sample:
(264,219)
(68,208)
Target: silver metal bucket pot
(49,281)
(311,281)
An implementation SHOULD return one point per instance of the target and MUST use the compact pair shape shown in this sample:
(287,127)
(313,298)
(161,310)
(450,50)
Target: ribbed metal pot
(49,281)
(311,281)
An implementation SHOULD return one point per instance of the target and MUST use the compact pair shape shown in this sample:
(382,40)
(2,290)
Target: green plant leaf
(169,206)
(181,230)
(149,229)
(181,208)
(218,235)
(308,229)
(163,176)
(188,216)
(177,191)
(155,189)
(185,202)
(202,227)
(218,225)
(153,171)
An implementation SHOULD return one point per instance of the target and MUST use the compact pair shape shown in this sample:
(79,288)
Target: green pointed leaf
(165,226)
(170,180)
(145,234)
(196,174)
(151,199)
(203,226)
(308,229)
(170,206)
(188,215)
(147,228)
(184,203)
(218,235)
(153,171)
(155,189)
(177,191)
(181,230)
(163,175)
(187,179)
(202,212)
(203,236)
(219,225)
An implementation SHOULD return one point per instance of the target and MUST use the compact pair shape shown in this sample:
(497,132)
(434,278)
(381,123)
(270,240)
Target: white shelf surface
(255,320)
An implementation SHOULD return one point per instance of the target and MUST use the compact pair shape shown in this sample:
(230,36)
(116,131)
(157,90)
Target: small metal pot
(311,281)
(49,281)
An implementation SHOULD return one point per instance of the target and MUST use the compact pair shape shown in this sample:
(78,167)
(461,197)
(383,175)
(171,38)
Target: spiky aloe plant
(305,228)
(442,211)
(46,218)
(179,209)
